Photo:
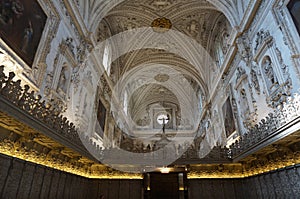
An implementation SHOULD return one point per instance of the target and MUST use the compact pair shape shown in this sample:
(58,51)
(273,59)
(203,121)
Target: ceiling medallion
(162,77)
(161,25)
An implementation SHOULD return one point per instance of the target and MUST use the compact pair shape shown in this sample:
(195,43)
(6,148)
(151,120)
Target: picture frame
(21,27)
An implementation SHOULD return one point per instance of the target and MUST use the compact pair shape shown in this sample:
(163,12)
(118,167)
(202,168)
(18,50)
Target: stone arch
(219,39)
(182,46)
(100,9)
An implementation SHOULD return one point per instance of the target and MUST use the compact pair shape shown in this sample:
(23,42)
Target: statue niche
(222,37)
(277,87)
(270,77)
(228,118)
(63,81)
(247,108)
(254,80)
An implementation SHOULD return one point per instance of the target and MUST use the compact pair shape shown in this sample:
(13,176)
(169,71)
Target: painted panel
(21,26)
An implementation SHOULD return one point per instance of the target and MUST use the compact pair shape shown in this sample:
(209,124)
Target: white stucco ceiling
(186,48)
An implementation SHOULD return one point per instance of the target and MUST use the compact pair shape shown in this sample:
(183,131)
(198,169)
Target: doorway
(165,186)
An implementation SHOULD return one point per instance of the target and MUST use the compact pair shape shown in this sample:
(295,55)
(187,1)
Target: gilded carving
(14,145)
(42,150)
(161,25)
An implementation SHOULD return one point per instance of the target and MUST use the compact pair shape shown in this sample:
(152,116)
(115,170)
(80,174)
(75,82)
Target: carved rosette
(161,25)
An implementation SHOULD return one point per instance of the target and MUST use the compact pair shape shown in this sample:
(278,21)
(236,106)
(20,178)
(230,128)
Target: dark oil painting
(21,26)
(228,118)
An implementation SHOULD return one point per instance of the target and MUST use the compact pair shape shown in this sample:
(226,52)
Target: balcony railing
(282,122)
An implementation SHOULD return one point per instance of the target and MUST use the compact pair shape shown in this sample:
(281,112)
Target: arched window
(101,117)
(125,105)
(222,34)
(218,52)
(163,118)
(106,59)
(200,101)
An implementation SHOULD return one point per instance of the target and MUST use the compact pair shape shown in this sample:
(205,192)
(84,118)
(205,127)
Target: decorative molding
(35,75)
(273,158)
(75,17)
(263,41)
(26,143)
(55,127)
(50,31)
(161,25)
(12,63)
(249,14)
(254,81)
(246,102)
(290,35)
(244,48)
(270,128)
(75,22)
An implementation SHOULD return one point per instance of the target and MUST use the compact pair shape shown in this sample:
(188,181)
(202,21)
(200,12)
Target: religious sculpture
(63,78)
(254,81)
(270,76)
(244,48)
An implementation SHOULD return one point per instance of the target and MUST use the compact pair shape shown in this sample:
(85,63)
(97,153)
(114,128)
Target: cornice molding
(249,15)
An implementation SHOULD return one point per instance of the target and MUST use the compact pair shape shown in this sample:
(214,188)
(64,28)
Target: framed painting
(229,122)
(21,26)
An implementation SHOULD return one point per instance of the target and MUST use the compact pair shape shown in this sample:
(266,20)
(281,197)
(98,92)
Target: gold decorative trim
(15,150)
(250,167)
(161,25)
(22,142)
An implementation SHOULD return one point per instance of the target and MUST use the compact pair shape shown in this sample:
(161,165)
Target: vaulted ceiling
(169,36)
(95,10)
